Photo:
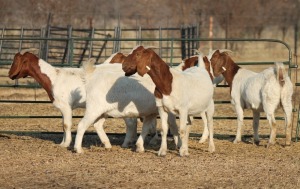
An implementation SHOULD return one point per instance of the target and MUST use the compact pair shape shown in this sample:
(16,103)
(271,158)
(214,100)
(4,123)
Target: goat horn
(198,52)
(31,50)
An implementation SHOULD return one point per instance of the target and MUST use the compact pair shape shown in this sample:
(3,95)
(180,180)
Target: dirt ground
(35,160)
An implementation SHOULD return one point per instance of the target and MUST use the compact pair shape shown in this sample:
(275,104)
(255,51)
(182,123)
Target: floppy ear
(145,62)
(217,63)
(190,62)
(118,58)
(220,61)
(16,65)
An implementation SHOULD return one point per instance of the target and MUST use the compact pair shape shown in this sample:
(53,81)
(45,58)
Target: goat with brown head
(169,84)
(222,64)
(20,67)
(27,64)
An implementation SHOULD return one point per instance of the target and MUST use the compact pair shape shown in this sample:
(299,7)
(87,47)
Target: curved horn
(198,51)
(31,50)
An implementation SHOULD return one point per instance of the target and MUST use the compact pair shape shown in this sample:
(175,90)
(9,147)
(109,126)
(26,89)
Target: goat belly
(118,114)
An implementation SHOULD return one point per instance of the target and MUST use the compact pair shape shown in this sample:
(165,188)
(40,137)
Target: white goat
(185,93)
(113,94)
(194,61)
(185,64)
(257,91)
(66,90)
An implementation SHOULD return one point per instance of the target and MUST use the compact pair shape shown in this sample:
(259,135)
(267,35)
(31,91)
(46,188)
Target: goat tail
(280,73)
(201,63)
(89,65)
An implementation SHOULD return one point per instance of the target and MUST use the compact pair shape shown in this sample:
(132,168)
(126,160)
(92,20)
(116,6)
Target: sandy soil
(35,160)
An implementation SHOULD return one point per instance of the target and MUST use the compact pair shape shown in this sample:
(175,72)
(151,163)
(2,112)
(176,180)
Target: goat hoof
(64,145)
(183,152)
(125,145)
(288,144)
(153,142)
(256,142)
(107,147)
(236,141)
(162,153)
(211,149)
(78,150)
(129,145)
(139,149)
(201,141)
(270,144)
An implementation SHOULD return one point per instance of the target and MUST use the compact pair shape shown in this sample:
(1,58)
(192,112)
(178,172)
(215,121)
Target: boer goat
(188,92)
(66,90)
(257,91)
(185,64)
(190,62)
(113,94)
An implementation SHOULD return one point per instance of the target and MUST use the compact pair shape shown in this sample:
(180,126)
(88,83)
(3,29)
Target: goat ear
(220,61)
(146,59)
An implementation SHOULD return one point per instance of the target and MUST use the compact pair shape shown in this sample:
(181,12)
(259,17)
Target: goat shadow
(129,92)
(89,139)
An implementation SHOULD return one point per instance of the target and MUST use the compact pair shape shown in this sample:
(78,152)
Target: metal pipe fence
(168,53)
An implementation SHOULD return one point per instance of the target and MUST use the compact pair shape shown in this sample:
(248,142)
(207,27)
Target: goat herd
(150,87)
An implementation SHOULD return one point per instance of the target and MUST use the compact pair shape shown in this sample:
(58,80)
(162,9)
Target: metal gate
(174,46)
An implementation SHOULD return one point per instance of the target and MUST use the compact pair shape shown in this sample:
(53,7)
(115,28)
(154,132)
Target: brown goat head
(21,64)
(218,62)
(137,61)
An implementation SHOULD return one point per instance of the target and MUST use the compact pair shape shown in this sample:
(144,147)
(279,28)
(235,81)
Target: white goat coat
(251,90)
(195,85)
(114,94)
(111,93)
(68,88)
(192,93)
(262,92)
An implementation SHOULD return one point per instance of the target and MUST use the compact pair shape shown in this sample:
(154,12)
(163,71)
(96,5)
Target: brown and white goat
(261,92)
(185,93)
(66,90)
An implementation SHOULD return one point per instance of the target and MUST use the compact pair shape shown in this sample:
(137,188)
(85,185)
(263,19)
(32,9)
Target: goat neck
(207,67)
(161,75)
